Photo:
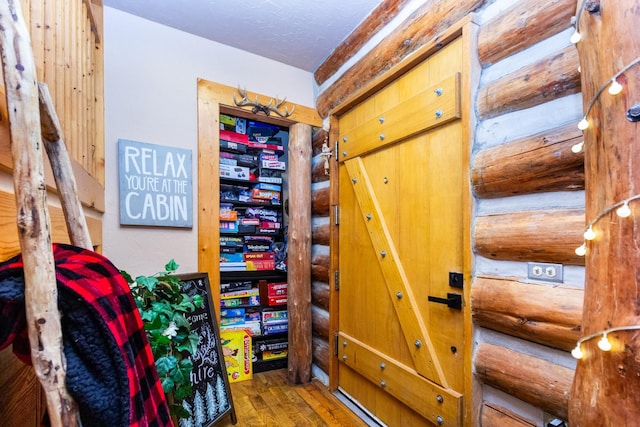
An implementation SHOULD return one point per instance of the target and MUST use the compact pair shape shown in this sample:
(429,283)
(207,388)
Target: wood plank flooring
(267,400)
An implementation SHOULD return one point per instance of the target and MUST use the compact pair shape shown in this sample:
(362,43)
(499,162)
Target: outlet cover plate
(545,271)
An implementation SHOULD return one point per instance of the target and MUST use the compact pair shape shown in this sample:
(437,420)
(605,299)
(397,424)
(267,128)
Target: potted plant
(162,306)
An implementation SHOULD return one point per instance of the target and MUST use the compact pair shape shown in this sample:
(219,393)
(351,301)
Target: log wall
(320,254)
(527,183)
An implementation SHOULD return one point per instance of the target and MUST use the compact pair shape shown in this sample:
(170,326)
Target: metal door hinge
(336,280)
(336,215)
(335,344)
(336,145)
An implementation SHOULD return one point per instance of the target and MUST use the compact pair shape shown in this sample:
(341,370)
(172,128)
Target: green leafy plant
(163,306)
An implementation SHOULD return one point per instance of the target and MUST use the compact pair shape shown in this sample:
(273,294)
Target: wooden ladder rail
(33,120)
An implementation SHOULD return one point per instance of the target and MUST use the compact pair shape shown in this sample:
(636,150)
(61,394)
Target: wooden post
(62,171)
(299,255)
(606,384)
(41,295)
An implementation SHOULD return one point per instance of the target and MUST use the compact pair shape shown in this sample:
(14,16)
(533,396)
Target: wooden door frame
(467,29)
(212,98)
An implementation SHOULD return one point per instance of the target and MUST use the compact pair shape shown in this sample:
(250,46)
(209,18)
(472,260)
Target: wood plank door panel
(400,235)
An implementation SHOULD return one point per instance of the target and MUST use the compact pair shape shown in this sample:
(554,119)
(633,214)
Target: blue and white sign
(156,185)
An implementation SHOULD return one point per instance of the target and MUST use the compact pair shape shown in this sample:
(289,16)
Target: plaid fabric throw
(110,368)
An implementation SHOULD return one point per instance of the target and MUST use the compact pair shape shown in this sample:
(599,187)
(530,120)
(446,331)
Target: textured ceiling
(301,33)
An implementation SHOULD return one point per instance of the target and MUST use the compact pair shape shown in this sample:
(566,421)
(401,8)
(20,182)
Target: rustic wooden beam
(321,353)
(544,235)
(41,294)
(381,15)
(299,253)
(320,202)
(545,314)
(318,173)
(320,294)
(605,391)
(425,24)
(62,171)
(521,26)
(320,322)
(320,136)
(320,268)
(496,415)
(553,77)
(534,164)
(320,234)
(543,384)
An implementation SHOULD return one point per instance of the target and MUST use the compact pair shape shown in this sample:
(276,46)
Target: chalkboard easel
(211,398)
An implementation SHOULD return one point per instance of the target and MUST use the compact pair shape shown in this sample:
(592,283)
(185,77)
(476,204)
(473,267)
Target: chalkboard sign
(211,398)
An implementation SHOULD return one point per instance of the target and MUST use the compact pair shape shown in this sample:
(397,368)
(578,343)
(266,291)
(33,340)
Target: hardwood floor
(267,400)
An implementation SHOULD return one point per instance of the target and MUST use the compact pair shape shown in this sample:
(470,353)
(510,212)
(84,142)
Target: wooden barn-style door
(403,163)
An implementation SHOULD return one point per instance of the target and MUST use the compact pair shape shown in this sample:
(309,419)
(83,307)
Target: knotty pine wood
(552,77)
(524,24)
(496,415)
(541,235)
(605,390)
(377,19)
(548,315)
(538,163)
(543,384)
(430,26)
(268,400)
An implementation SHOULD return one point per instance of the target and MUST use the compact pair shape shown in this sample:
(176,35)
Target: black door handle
(452,301)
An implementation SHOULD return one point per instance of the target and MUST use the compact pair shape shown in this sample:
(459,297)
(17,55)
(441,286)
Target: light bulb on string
(577,352)
(604,343)
(575,37)
(590,234)
(615,87)
(583,124)
(577,148)
(581,250)
(624,211)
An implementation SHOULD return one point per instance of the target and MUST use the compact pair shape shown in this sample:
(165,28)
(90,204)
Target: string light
(576,36)
(622,210)
(577,148)
(603,343)
(614,88)
(589,234)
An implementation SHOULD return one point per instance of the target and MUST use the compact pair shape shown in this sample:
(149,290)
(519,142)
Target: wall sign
(211,398)
(156,186)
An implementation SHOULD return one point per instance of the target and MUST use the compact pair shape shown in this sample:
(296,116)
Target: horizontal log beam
(424,25)
(542,384)
(320,322)
(544,235)
(321,353)
(548,315)
(377,19)
(320,234)
(320,268)
(553,77)
(538,163)
(521,26)
(320,294)
(319,137)
(496,415)
(320,202)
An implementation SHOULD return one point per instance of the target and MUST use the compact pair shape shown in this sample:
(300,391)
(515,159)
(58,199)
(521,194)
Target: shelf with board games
(253,238)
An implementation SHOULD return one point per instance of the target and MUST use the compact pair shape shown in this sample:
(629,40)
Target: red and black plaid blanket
(110,368)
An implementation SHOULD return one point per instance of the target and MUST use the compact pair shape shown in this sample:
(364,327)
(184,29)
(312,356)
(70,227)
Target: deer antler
(264,108)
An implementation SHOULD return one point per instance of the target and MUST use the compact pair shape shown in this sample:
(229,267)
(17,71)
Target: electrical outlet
(545,271)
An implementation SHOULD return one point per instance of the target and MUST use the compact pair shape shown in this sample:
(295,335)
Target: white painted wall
(151,73)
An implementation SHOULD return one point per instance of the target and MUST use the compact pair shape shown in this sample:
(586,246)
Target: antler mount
(273,106)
